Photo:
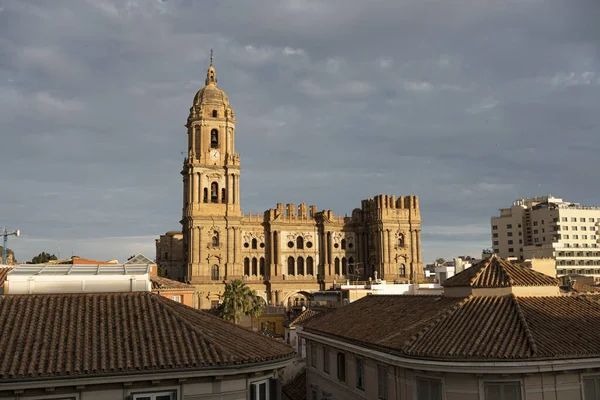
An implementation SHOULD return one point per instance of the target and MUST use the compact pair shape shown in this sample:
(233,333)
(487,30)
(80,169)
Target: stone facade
(287,251)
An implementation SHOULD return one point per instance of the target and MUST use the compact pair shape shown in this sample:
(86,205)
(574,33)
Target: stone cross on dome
(211,74)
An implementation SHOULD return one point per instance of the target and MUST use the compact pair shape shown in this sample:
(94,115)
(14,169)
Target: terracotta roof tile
(44,336)
(165,283)
(486,328)
(495,272)
(303,317)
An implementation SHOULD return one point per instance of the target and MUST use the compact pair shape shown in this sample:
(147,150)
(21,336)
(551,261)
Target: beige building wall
(548,227)
(221,385)
(287,251)
(402,382)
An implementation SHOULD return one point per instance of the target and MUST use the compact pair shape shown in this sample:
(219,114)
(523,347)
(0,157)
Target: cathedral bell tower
(211,185)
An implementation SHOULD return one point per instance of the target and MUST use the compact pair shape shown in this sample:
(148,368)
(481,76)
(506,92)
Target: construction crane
(6,234)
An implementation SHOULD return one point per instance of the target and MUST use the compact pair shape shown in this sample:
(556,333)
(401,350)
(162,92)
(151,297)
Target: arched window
(309,266)
(214,272)
(402,270)
(351,266)
(215,114)
(254,242)
(246,266)
(214,139)
(166,255)
(401,240)
(214,192)
(261,266)
(215,239)
(337,266)
(343,244)
(299,242)
(344,266)
(254,267)
(206,195)
(291,266)
(300,265)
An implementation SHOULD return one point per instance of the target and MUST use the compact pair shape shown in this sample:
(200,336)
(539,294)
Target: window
(495,243)
(429,389)
(300,266)
(337,266)
(573,219)
(260,390)
(215,114)
(223,195)
(509,234)
(205,195)
(584,237)
(509,226)
(535,223)
(581,219)
(326,359)
(309,266)
(565,228)
(215,240)
(177,299)
(382,382)
(214,273)
(502,390)
(565,236)
(313,354)
(575,236)
(583,228)
(495,235)
(214,139)
(300,242)
(510,242)
(573,228)
(494,227)
(591,219)
(341,367)
(360,373)
(291,266)
(155,396)
(564,219)
(535,231)
(401,240)
(254,266)
(343,244)
(511,250)
(261,266)
(254,243)
(214,192)
(402,271)
(246,266)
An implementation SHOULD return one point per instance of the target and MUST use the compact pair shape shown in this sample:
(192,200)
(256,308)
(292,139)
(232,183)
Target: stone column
(271,254)
(230,245)
(389,247)
(230,188)
(413,251)
(195,190)
(199,251)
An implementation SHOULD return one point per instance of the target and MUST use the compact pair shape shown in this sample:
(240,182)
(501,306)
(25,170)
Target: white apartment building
(548,227)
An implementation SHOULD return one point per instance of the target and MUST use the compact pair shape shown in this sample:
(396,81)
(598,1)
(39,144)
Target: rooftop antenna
(5,235)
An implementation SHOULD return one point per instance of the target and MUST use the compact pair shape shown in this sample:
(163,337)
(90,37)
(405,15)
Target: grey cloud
(467,104)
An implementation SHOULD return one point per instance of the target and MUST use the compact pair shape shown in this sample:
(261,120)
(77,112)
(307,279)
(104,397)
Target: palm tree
(239,300)
(256,308)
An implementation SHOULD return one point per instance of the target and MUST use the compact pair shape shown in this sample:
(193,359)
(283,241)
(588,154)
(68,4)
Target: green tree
(440,261)
(42,258)
(256,308)
(239,300)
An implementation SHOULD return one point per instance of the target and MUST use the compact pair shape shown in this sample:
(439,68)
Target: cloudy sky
(469,104)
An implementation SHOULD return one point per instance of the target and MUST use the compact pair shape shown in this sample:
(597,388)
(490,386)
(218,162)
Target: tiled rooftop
(493,272)
(296,389)
(160,283)
(304,316)
(43,336)
(485,328)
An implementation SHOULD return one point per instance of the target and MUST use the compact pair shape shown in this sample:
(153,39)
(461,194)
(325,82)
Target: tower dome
(210,98)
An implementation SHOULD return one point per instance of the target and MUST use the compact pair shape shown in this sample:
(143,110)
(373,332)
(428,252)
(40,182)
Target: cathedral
(288,251)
